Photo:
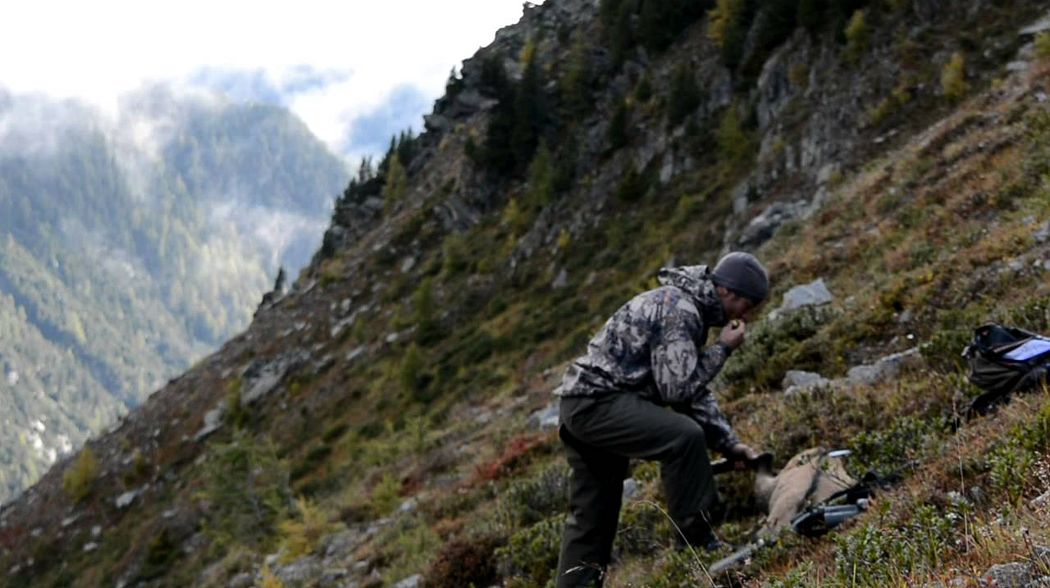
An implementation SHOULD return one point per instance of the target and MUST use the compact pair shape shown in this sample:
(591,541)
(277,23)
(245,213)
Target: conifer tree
(396,182)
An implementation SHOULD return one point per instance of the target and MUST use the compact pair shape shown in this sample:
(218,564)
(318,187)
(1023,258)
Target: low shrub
(465,562)
(531,555)
(533,498)
(302,535)
(79,479)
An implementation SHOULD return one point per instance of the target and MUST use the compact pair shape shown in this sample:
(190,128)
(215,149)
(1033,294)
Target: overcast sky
(355,71)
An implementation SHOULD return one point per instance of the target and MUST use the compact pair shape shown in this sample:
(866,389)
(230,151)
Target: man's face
(735,306)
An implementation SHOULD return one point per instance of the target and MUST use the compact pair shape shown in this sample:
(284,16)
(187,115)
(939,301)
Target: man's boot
(697,532)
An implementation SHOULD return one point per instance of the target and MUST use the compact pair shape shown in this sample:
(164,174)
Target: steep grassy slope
(391,390)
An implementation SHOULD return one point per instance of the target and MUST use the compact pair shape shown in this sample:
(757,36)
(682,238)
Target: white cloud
(99,50)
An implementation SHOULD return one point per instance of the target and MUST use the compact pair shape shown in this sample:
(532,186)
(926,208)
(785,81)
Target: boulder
(815,293)
(797,381)
(885,369)
(1010,575)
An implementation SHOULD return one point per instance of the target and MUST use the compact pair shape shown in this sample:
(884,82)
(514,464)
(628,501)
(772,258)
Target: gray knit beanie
(743,274)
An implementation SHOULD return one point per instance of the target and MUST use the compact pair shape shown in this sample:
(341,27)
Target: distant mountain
(132,245)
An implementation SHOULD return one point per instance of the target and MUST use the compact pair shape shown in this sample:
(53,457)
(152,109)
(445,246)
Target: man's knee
(691,440)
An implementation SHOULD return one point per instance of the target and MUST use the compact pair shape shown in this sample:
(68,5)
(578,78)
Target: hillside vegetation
(384,423)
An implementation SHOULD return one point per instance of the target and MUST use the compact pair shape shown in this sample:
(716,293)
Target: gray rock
(300,571)
(630,489)
(1042,234)
(125,499)
(408,506)
(212,421)
(815,293)
(1009,575)
(797,381)
(885,369)
(261,378)
(407,264)
(545,418)
(741,197)
(1042,500)
(1040,26)
(410,582)
(561,281)
(242,580)
(764,226)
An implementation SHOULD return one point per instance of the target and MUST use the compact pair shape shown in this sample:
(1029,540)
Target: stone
(1041,501)
(741,198)
(815,293)
(242,580)
(630,489)
(797,381)
(1009,575)
(545,418)
(764,226)
(407,264)
(300,571)
(355,353)
(561,281)
(260,378)
(212,421)
(408,506)
(89,547)
(410,582)
(1042,234)
(125,499)
(884,369)
(1040,26)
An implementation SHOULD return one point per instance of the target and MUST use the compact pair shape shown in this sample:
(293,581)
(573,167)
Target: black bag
(1004,361)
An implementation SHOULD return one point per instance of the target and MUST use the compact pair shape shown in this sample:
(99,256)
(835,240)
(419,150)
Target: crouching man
(648,356)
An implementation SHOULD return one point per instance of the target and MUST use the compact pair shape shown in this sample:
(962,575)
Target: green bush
(531,555)
(643,530)
(735,144)
(396,184)
(457,255)
(877,555)
(79,479)
(774,347)
(617,136)
(894,449)
(302,535)
(1042,45)
(529,500)
(953,78)
(247,490)
(386,496)
(684,97)
(857,36)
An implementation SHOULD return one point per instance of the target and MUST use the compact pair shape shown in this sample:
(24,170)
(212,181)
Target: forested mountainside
(129,248)
(389,420)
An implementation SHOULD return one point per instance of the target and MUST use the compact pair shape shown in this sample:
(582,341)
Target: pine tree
(396,182)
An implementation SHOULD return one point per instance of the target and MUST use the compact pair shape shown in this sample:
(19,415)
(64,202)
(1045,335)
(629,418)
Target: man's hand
(733,334)
(740,454)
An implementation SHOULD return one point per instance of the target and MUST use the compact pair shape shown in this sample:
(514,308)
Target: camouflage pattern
(652,346)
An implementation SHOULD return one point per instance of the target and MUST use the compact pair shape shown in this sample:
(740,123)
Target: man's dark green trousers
(600,434)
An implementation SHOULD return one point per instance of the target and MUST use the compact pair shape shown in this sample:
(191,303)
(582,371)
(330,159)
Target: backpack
(1004,361)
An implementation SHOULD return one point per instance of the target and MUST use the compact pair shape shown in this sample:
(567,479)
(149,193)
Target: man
(649,356)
